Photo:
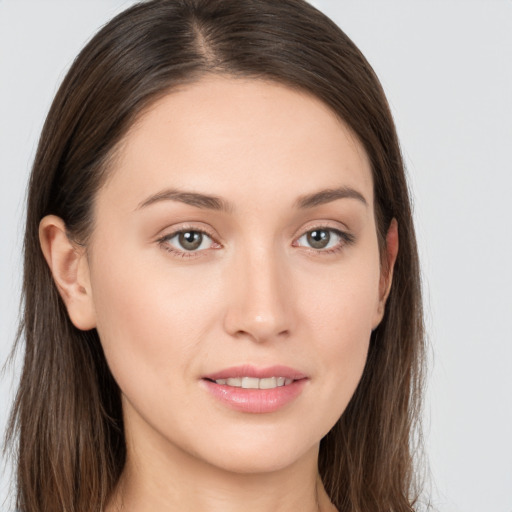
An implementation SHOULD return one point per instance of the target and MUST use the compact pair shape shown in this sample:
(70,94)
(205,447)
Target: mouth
(256,390)
(254,382)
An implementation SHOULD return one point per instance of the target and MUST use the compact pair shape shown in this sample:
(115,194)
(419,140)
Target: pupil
(318,238)
(190,240)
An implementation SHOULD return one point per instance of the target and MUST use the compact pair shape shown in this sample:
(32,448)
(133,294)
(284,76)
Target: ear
(70,270)
(386,272)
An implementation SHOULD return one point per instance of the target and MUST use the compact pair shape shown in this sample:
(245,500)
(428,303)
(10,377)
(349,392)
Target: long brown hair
(67,418)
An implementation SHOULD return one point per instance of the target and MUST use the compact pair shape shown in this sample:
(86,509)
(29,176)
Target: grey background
(446,67)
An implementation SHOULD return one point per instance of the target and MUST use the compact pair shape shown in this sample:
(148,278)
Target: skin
(256,292)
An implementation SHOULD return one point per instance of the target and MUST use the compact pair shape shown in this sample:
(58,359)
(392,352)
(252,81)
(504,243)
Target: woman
(222,300)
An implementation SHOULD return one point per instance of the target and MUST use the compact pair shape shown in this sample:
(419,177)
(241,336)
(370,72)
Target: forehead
(247,138)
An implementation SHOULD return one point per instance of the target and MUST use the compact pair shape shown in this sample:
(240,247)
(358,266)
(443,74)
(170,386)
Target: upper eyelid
(329,225)
(345,236)
(323,228)
(170,232)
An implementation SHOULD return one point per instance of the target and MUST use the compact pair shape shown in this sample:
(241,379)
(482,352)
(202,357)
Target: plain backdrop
(446,67)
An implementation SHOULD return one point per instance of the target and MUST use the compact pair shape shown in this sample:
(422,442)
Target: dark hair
(67,418)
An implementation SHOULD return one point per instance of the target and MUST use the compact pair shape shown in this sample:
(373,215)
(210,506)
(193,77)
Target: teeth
(269,383)
(250,382)
(255,383)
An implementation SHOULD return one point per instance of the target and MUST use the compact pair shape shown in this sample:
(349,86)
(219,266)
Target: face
(234,249)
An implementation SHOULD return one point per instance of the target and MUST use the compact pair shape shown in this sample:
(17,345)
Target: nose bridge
(260,305)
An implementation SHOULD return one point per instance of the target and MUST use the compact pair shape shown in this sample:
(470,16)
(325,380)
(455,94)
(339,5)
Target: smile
(255,383)
(255,390)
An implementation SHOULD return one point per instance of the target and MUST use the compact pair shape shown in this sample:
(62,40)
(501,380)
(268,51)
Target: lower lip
(256,401)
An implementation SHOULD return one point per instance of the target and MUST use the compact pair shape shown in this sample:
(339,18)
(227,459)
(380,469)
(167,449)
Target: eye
(324,239)
(187,240)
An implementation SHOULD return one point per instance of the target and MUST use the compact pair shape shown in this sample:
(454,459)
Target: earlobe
(70,270)
(387,267)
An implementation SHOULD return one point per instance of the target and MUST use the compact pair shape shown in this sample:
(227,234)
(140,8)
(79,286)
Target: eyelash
(345,240)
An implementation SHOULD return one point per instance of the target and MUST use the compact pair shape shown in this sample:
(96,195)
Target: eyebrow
(211,202)
(196,199)
(327,196)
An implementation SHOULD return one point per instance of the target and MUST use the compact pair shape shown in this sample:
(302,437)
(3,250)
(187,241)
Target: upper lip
(256,372)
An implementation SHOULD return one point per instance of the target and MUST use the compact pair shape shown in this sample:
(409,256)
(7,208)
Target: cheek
(340,320)
(342,304)
(147,318)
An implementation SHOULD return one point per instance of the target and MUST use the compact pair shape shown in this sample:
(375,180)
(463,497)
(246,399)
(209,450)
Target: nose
(260,305)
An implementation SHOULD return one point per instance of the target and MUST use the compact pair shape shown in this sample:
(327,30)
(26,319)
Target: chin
(260,453)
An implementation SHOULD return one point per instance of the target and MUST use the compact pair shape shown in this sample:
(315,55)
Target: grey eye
(189,241)
(319,238)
